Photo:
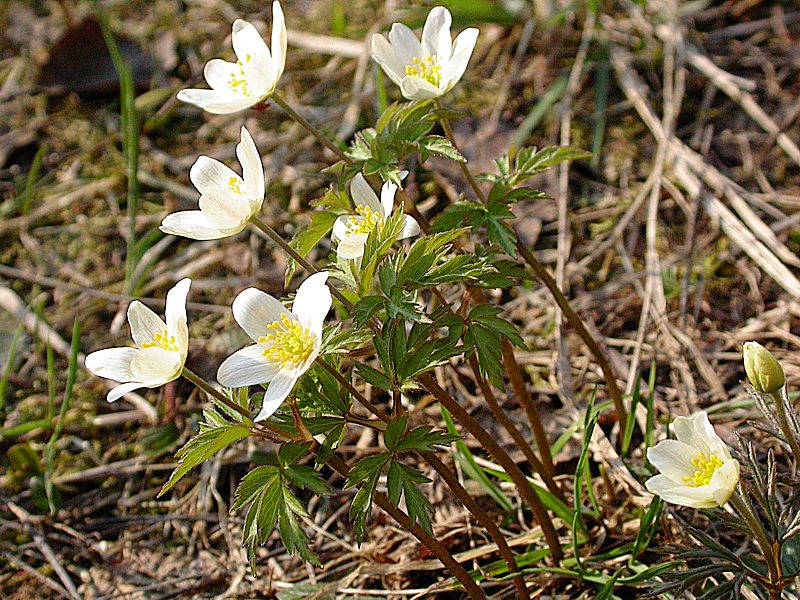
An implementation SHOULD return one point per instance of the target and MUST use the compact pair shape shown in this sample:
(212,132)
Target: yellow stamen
(428,69)
(290,344)
(238,81)
(706,466)
(367,221)
(234,185)
(164,341)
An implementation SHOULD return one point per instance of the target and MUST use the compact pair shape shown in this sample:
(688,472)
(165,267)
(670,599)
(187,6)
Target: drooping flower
(287,342)
(426,69)
(227,201)
(160,350)
(763,370)
(353,230)
(696,469)
(252,78)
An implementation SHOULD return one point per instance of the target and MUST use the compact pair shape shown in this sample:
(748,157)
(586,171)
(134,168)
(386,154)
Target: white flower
(428,69)
(252,78)
(352,231)
(160,350)
(287,343)
(227,201)
(696,469)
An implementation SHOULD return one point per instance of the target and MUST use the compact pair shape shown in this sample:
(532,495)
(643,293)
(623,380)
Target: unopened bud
(763,370)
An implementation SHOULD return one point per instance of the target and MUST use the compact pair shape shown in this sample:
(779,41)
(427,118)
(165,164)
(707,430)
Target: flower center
(364,221)
(428,69)
(290,344)
(706,466)
(164,341)
(238,80)
(234,185)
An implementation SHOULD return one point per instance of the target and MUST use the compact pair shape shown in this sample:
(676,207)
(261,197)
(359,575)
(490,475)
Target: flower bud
(763,370)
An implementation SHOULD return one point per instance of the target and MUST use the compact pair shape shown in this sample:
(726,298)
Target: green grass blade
(471,468)
(50,449)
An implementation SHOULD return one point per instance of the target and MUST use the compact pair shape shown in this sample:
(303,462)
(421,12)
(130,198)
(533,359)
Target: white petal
(453,69)
(254,56)
(226,211)
(385,56)
(362,194)
(155,366)
(119,391)
(112,363)
(252,169)
(698,432)
(682,495)
(278,41)
(191,224)
(352,246)
(340,227)
(724,481)
(209,175)
(246,367)
(175,313)
(673,459)
(414,88)
(145,324)
(218,73)
(388,190)
(276,393)
(404,43)
(436,33)
(313,302)
(254,310)
(410,227)
(217,102)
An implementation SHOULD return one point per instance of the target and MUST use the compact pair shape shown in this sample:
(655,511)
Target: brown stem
(580,328)
(515,433)
(505,461)
(557,294)
(397,405)
(434,545)
(452,482)
(273,235)
(524,398)
(492,529)
(353,391)
(298,118)
(265,426)
(448,132)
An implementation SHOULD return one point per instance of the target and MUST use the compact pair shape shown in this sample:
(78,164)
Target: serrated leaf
(424,439)
(373,376)
(290,452)
(307,478)
(435,144)
(394,431)
(365,469)
(202,447)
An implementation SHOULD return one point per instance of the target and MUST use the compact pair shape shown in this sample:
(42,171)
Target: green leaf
(373,376)
(292,534)
(202,447)
(394,431)
(402,478)
(459,214)
(424,439)
(435,144)
(307,238)
(365,469)
(486,315)
(487,344)
(307,478)
(290,452)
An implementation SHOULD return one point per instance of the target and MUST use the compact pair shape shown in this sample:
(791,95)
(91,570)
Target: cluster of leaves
(401,479)
(506,191)
(402,130)
(266,492)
